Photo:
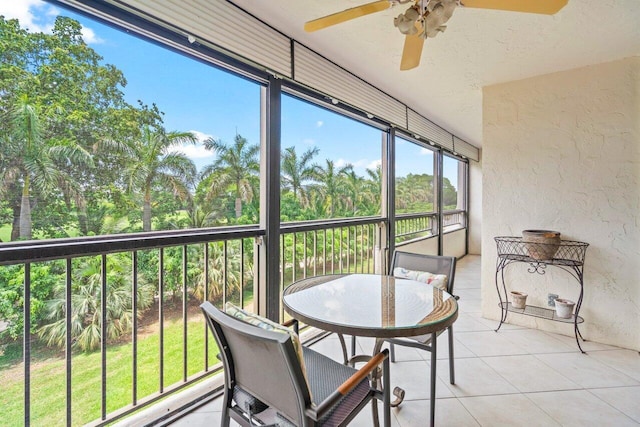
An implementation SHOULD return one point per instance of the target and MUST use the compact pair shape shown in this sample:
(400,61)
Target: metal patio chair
(437,265)
(266,384)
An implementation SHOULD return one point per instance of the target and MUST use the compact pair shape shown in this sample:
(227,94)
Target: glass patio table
(371,305)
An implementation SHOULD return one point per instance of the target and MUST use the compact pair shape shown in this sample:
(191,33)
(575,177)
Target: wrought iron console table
(569,257)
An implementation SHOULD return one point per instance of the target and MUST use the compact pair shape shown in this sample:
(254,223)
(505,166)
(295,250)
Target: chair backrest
(432,263)
(261,362)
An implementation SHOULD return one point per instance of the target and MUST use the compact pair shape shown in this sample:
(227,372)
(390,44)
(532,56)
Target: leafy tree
(33,162)
(216,284)
(297,174)
(77,98)
(236,166)
(332,182)
(374,190)
(152,163)
(44,277)
(449,194)
(414,193)
(354,187)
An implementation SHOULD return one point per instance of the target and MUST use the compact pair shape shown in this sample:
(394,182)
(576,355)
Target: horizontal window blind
(463,148)
(226,26)
(425,128)
(323,75)
(221,25)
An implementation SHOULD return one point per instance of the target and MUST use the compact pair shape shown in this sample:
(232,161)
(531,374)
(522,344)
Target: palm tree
(298,173)
(354,186)
(86,308)
(332,183)
(224,265)
(153,163)
(35,163)
(237,166)
(374,189)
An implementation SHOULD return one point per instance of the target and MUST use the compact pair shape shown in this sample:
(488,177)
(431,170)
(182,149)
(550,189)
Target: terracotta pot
(518,299)
(541,244)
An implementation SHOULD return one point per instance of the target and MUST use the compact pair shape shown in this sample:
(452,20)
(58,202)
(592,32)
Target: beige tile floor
(516,377)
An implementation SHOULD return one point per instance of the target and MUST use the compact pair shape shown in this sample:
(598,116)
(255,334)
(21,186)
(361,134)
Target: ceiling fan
(426,18)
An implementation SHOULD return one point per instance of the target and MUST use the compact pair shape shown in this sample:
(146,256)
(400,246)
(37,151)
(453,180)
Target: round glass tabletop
(370,305)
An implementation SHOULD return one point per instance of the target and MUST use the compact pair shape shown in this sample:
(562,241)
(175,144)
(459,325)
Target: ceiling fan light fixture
(426,18)
(406,22)
(437,14)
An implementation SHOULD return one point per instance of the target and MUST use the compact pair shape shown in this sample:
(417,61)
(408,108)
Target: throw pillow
(437,280)
(264,323)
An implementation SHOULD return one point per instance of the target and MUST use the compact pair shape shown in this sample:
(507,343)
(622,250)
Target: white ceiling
(480,47)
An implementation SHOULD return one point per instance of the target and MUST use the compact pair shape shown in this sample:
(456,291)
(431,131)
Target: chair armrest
(292,322)
(351,382)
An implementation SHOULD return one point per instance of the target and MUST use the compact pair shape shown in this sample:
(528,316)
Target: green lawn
(5,233)
(48,389)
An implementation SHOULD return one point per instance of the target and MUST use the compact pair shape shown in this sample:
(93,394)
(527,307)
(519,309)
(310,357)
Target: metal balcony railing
(454,219)
(415,226)
(149,338)
(329,247)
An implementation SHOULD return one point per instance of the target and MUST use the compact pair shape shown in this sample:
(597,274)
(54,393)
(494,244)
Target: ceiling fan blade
(546,7)
(346,15)
(412,51)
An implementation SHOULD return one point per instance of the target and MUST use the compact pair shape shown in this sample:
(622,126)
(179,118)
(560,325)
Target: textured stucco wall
(562,152)
(475,207)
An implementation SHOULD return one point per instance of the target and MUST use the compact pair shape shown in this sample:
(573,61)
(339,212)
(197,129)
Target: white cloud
(201,136)
(22,10)
(374,164)
(360,165)
(425,151)
(319,123)
(38,16)
(341,163)
(309,141)
(194,151)
(89,36)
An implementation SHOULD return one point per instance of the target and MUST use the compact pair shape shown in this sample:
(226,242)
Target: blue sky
(199,98)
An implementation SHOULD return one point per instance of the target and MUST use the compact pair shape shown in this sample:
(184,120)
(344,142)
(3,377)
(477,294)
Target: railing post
(269,301)
(388,239)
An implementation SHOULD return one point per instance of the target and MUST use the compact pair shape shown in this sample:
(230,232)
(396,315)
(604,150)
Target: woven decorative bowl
(541,244)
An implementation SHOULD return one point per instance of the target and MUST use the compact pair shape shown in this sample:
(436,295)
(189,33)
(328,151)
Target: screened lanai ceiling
(478,48)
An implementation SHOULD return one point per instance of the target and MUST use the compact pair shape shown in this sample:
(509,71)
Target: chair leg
(386,386)
(392,352)
(344,349)
(353,345)
(433,378)
(452,375)
(225,418)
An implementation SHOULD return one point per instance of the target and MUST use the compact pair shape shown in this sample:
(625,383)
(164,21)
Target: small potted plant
(564,308)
